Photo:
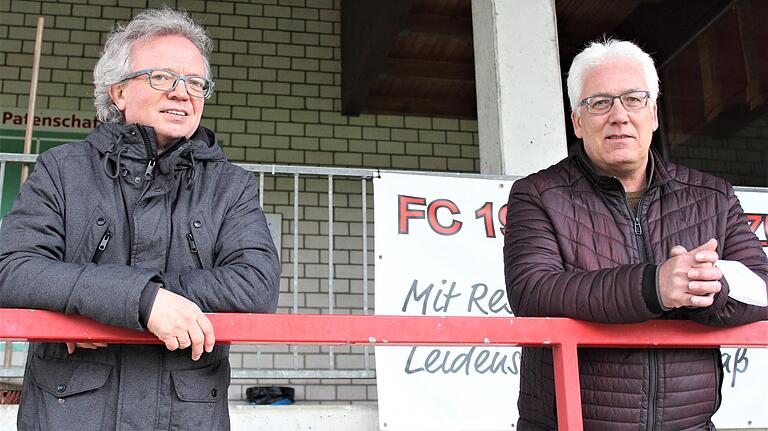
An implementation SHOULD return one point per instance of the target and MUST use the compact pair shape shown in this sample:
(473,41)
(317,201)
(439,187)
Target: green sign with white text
(12,141)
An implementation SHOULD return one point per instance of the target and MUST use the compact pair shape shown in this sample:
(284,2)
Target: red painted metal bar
(39,325)
(564,335)
(567,386)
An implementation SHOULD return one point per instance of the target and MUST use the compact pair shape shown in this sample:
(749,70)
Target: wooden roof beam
(405,67)
(443,25)
(423,107)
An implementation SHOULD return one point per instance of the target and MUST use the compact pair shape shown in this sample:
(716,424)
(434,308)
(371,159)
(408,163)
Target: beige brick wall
(741,158)
(277,67)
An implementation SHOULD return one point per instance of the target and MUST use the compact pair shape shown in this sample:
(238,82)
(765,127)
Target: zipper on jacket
(652,387)
(653,354)
(194,250)
(151,155)
(101,247)
(718,379)
(637,227)
(150,168)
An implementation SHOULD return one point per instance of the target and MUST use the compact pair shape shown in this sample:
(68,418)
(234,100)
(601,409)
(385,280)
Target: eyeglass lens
(631,101)
(164,80)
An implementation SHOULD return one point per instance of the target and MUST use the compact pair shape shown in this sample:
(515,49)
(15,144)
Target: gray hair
(600,53)
(115,61)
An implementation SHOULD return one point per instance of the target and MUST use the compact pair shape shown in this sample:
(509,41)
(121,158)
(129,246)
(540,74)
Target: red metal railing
(564,335)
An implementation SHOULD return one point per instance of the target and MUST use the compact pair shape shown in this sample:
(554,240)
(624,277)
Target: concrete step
(243,416)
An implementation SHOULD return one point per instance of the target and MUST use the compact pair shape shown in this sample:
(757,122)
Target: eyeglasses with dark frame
(165,80)
(631,101)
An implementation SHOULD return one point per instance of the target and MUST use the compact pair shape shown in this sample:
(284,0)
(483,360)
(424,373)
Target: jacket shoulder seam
(722,192)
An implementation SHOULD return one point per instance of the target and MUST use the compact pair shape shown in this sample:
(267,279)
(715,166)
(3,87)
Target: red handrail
(564,335)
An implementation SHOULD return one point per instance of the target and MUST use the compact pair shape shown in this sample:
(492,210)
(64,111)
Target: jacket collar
(657,170)
(132,141)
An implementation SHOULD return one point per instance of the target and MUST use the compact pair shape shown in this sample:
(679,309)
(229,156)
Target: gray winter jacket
(94,226)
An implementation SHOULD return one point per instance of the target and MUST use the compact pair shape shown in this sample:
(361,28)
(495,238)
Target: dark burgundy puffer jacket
(573,249)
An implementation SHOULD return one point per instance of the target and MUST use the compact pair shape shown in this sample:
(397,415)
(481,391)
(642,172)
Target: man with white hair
(615,234)
(143,225)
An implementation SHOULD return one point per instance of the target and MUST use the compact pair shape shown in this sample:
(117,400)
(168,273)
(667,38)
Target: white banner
(746,370)
(439,253)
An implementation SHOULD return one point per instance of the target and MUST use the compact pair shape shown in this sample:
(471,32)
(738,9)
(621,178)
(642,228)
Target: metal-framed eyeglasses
(165,80)
(631,101)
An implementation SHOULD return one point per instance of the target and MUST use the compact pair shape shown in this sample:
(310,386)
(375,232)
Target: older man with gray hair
(142,225)
(615,234)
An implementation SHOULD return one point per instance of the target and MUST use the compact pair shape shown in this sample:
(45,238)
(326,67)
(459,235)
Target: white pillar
(519,92)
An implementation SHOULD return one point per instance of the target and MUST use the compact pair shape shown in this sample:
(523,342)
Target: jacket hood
(124,146)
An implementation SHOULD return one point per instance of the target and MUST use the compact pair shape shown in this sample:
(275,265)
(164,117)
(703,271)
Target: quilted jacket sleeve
(245,276)
(33,273)
(538,284)
(739,244)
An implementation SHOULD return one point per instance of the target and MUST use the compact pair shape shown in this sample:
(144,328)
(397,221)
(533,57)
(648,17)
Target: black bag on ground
(269,395)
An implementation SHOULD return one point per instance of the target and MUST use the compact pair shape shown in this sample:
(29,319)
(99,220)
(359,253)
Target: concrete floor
(296,417)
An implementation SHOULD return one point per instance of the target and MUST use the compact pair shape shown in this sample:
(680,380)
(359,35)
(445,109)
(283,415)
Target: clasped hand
(689,278)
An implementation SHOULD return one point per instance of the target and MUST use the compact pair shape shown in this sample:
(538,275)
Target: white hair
(600,53)
(115,61)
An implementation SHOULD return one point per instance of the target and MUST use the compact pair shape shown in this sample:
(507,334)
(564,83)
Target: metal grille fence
(275,174)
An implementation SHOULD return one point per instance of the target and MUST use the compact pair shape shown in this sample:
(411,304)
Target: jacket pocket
(200,397)
(96,236)
(192,242)
(102,246)
(200,241)
(70,394)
